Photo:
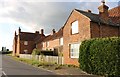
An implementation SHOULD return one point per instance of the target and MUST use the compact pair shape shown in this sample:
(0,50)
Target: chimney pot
(19,30)
(53,31)
(37,32)
(89,11)
(42,31)
(103,10)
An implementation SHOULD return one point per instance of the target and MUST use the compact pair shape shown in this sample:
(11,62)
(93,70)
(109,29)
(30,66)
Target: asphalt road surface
(12,67)
(0,64)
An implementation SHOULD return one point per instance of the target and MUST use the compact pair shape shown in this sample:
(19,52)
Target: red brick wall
(103,30)
(21,47)
(84,33)
(95,30)
(52,44)
(39,46)
(14,46)
(18,47)
(109,31)
(29,47)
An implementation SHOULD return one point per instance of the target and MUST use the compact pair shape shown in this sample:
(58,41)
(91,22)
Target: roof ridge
(85,11)
(114,8)
(28,32)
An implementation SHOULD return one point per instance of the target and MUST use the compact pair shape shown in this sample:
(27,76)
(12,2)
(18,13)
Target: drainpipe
(100,35)
(119,31)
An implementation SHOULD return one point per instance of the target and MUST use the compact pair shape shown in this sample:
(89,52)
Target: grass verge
(36,63)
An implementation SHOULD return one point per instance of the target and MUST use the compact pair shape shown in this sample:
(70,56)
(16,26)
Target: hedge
(100,56)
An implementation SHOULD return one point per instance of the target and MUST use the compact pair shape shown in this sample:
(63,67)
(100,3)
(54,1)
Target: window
(25,42)
(43,44)
(26,51)
(36,46)
(47,44)
(61,41)
(75,27)
(74,50)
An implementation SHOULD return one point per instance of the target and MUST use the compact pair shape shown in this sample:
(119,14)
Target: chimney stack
(103,10)
(89,11)
(42,31)
(19,30)
(53,31)
(37,32)
(15,33)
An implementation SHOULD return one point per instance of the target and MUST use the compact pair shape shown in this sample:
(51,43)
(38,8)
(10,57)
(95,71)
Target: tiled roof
(96,18)
(114,14)
(26,36)
(56,35)
(39,38)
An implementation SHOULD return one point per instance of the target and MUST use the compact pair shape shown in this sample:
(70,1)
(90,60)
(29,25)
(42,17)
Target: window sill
(75,33)
(73,58)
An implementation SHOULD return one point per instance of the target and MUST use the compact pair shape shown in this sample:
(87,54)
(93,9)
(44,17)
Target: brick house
(82,25)
(54,42)
(25,42)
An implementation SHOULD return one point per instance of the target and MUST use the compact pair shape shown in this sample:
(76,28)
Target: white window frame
(47,44)
(61,41)
(26,51)
(43,44)
(75,27)
(74,50)
(25,42)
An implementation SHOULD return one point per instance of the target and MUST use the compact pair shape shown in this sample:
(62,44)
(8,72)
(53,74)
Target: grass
(46,65)
(36,63)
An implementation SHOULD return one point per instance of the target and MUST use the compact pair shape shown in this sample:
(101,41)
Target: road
(13,67)
(0,64)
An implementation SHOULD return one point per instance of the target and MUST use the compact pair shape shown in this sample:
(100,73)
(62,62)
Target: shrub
(100,56)
(36,52)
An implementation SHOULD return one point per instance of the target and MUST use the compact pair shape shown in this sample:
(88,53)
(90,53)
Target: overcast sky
(32,15)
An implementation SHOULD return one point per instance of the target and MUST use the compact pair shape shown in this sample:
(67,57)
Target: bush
(100,56)
(36,52)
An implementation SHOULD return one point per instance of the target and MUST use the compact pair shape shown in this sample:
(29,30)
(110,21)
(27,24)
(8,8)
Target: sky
(33,15)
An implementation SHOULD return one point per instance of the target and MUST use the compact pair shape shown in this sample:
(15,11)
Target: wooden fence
(51,59)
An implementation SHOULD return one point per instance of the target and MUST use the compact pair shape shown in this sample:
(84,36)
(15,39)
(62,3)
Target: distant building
(54,42)
(25,42)
(4,49)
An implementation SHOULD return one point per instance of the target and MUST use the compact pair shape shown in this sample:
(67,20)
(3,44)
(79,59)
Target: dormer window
(25,42)
(75,27)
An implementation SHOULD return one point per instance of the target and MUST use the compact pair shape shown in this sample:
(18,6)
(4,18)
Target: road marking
(4,74)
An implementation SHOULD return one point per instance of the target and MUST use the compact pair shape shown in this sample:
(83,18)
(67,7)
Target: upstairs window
(25,42)
(61,41)
(75,27)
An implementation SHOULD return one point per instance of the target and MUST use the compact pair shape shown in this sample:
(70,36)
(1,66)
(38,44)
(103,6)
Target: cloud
(32,15)
(37,14)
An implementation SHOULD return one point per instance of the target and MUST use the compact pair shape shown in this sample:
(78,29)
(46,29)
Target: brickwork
(84,33)
(89,26)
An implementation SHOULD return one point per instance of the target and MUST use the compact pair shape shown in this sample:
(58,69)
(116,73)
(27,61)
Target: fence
(51,59)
